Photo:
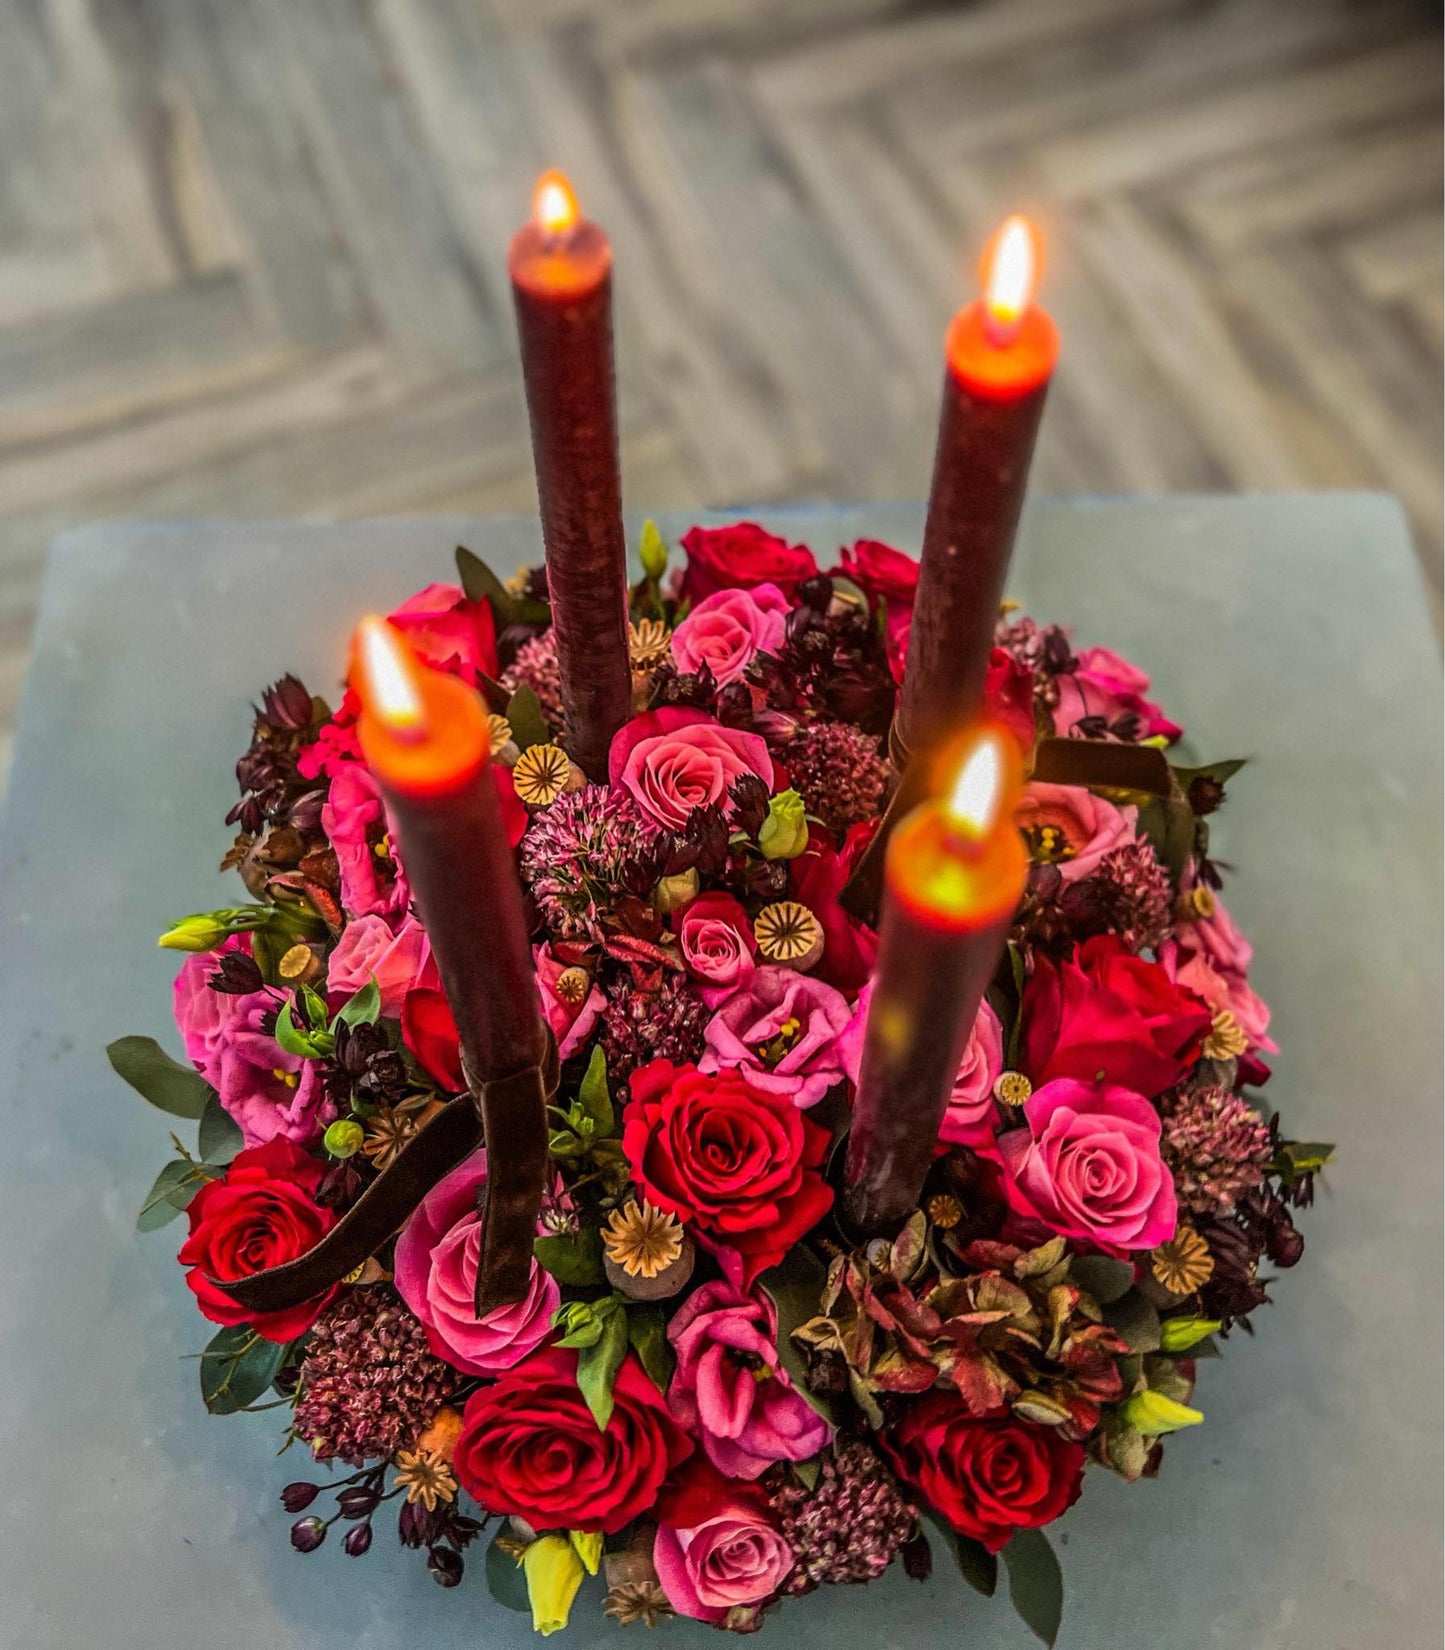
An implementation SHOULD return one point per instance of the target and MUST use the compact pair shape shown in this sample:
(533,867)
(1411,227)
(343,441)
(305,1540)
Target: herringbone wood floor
(251,251)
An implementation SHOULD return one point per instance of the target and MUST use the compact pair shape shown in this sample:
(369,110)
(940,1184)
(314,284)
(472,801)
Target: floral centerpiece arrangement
(713,1390)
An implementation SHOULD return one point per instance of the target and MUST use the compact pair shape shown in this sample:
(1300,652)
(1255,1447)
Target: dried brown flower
(389,1131)
(650,641)
(945,1211)
(500,730)
(1184,1263)
(540,775)
(644,1241)
(426,1477)
(632,1601)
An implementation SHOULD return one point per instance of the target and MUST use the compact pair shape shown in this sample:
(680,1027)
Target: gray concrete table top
(1305,1513)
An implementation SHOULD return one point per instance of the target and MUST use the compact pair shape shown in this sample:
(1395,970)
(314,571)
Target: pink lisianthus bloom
(887,575)
(782,1033)
(571,1022)
(268,1092)
(1088,1166)
(675,759)
(449,631)
(717,944)
(203,1016)
(717,1548)
(436,1275)
(1072,826)
(1106,687)
(727,630)
(354,820)
(730,1390)
(368,948)
(972,1115)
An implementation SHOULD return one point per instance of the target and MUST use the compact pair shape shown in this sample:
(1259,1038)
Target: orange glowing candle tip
(422,732)
(387,679)
(1004,345)
(1010,278)
(554,205)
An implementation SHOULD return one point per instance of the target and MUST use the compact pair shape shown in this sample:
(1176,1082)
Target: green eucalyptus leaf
(524,713)
(170,1194)
(1106,1279)
(150,1071)
(480,584)
(506,1581)
(1220,772)
(1136,1320)
(237,1367)
(597,1367)
(976,1564)
(572,1260)
(807,1471)
(219,1139)
(363,1009)
(646,1330)
(594,1095)
(1035,1583)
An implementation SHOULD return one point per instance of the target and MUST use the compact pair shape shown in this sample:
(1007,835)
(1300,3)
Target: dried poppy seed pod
(789,935)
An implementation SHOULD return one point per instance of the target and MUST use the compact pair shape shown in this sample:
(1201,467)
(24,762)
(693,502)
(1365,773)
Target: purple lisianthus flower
(782,1032)
(729,1389)
(267,1091)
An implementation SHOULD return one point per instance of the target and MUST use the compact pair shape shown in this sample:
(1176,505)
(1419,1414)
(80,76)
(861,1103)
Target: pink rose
(674,760)
(717,945)
(436,1274)
(202,1015)
(571,1022)
(368,949)
(741,557)
(1088,1166)
(1107,688)
(728,629)
(782,1033)
(449,631)
(1072,826)
(354,820)
(972,1115)
(729,1554)
(267,1091)
(729,1388)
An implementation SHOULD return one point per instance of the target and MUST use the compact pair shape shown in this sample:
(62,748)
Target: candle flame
(1010,275)
(387,673)
(982,783)
(554,204)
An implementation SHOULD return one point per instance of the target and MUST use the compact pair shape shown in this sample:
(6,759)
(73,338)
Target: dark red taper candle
(561,269)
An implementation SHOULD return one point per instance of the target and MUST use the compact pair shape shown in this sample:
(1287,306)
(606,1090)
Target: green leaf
(594,1096)
(976,1564)
(1107,1280)
(1168,823)
(505,1580)
(170,1194)
(150,1071)
(237,1367)
(597,1367)
(1035,1583)
(648,1334)
(807,1471)
(306,1045)
(652,550)
(795,1287)
(1152,1414)
(1220,772)
(364,1009)
(1181,1334)
(1136,1320)
(480,584)
(524,713)
(219,1139)
(572,1260)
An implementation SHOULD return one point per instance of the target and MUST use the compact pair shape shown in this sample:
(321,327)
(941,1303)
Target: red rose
(1106,1013)
(1008,691)
(738,1164)
(450,632)
(887,575)
(529,1446)
(985,1477)
(818,875)
(429,1030)
(262,1213)
(740,556)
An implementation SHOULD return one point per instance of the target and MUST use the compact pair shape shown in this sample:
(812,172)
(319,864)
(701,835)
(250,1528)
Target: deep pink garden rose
(717,944)
(571,1022)
(1088,1166)
(1106,1011)
(449,631)
(368,948)
(354,819)
(203,1015)
(782,1033)
(817,877)
(727,630)
(740,557)
(436,1274)
(885,575)
(675,759)
(1008,694)
(730,1390)
(1073,827)
(717,1547)
(268,1092)
(1108,687)
(972,1115)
